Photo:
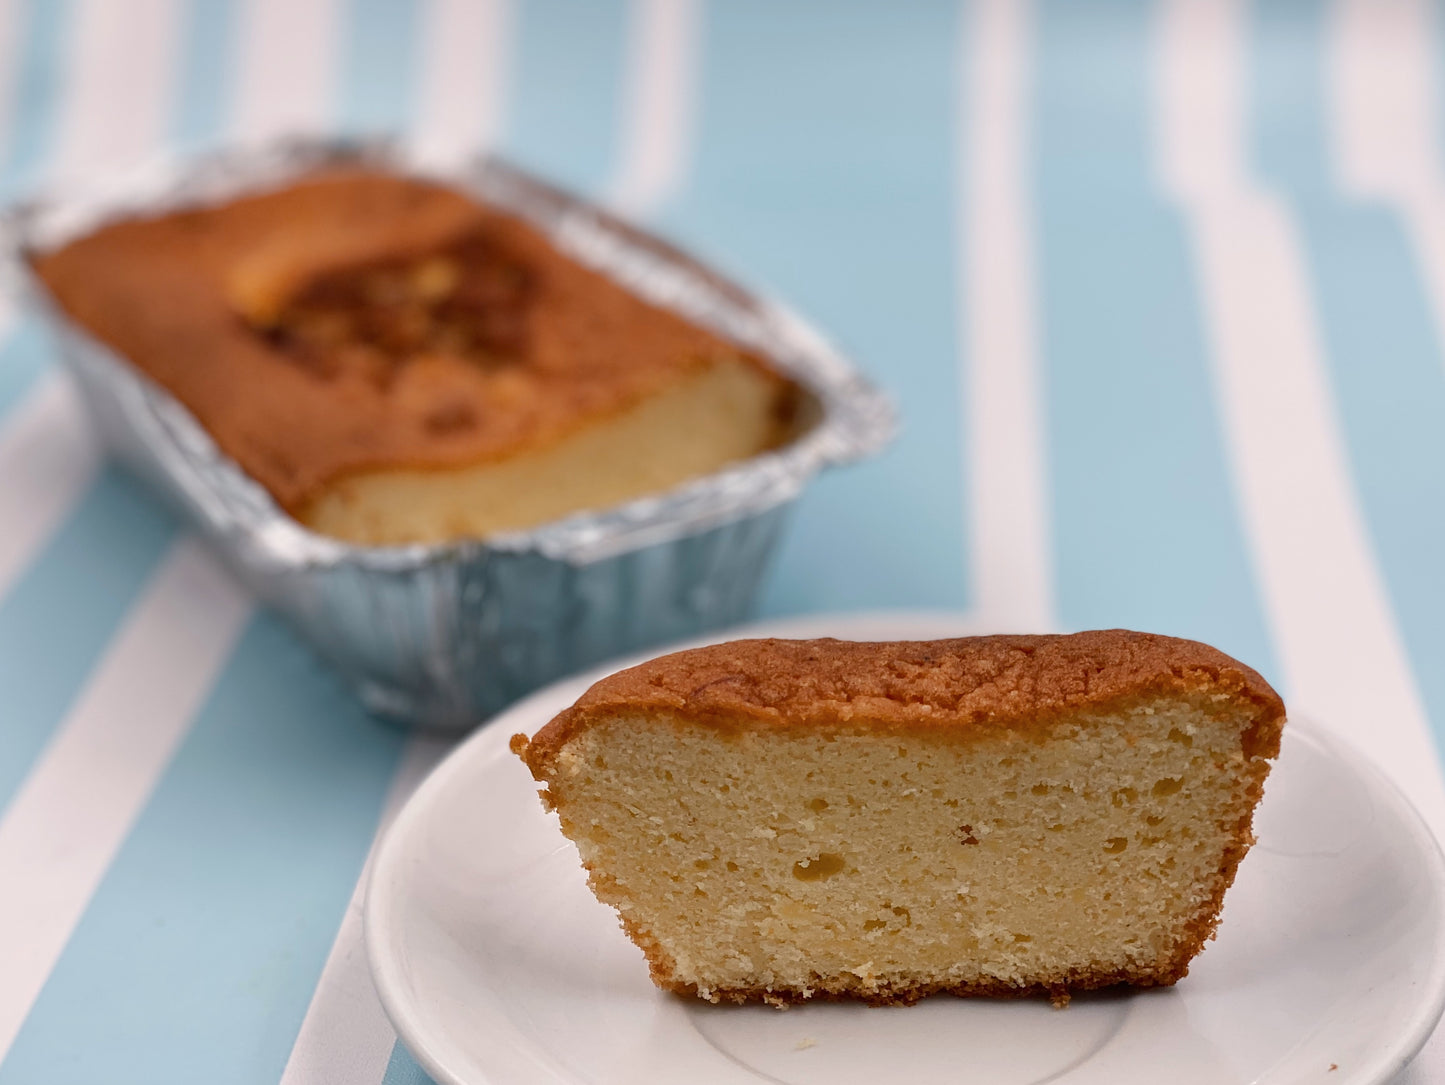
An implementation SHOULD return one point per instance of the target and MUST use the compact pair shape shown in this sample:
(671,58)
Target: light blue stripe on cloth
(24,355)
(1285,81)
(59,616)
(1382,343)
(379,65)
(1437,84)
(210,27)
(825,171)
(1147,531)
(37,89)
(202,945)
(1389,377)
(402,1069)
(566,94)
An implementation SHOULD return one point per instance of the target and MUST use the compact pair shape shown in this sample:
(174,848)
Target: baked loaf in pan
(398,363)
(1010,815)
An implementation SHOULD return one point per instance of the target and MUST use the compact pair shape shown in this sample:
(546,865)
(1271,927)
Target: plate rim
(410,1025)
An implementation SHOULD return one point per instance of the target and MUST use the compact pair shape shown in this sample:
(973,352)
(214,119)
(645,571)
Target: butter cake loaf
(398,363)
(1010,815)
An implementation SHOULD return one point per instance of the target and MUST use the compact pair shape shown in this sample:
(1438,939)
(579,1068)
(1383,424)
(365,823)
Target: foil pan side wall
(453,643)
(448,643)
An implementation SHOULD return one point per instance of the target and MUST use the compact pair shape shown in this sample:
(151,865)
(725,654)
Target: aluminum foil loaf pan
(446,634)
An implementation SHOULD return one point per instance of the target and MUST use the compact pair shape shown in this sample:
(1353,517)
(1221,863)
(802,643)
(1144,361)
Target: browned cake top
(356,320)
(970,682)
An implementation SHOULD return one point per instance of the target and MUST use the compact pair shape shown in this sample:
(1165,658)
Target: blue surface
(38,78)
(207,70)
(57,619)
(24,355)
(193,946)
(839,193)
(828,167)
(1146,531)
(402,1069)
(379,66)
(565,97)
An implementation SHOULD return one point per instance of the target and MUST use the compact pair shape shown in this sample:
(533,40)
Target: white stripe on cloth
(1004,457)
(47,461)
(110,751)
(466,47)
(1380,96)
(114,109)
(9,307)
(9,311)
(1342,655)
(659,89)
(12,33)
(121,81)
(1383,122)
(1340,649)
(286,71)
(1383,130)
(1199,81)
(345,1036)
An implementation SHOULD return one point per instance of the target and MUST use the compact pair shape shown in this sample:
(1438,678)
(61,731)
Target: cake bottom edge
(895,993)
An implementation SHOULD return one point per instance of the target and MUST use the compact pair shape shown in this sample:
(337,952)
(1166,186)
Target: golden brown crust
(941,686)
(180,296)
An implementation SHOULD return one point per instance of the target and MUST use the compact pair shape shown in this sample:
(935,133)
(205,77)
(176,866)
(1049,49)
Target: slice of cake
(784,820)
(396,362)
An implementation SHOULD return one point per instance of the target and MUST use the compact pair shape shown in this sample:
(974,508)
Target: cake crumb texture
(1006,816)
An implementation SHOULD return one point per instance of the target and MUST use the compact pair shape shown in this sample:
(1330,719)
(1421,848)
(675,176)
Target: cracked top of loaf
(965,683)
(356,320)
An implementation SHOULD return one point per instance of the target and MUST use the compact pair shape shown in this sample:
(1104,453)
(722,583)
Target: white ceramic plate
(497,965)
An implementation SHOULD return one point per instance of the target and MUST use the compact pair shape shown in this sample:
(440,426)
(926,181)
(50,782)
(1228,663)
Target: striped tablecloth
(1158,286)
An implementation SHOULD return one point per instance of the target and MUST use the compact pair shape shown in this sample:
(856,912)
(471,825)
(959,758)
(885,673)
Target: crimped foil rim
(856,418)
